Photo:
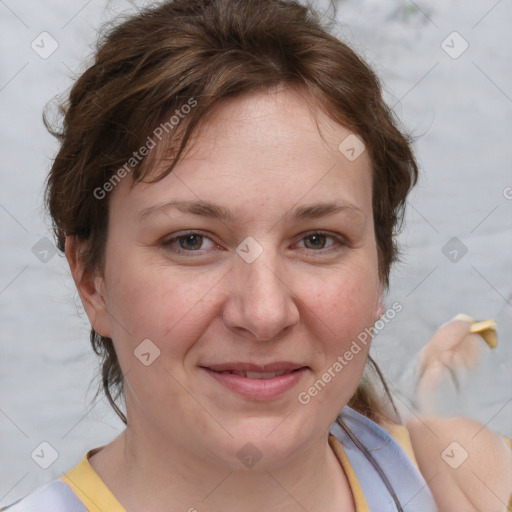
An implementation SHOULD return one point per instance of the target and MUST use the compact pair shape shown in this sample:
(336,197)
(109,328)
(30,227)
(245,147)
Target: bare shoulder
(467,465)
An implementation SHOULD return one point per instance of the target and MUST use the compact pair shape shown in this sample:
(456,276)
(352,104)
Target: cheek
(345,313)
(347,300)
(167,306)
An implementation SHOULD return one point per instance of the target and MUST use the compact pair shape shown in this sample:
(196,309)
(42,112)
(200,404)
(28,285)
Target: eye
(317,241)
(196,242)
(187,243)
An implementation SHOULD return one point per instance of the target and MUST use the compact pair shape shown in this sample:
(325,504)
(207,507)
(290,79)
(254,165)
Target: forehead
(261,150)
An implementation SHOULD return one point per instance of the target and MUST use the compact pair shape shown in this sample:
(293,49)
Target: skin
(261,155)
(479,476)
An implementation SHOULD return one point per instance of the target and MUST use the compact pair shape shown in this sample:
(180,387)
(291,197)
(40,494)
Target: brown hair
(154,62)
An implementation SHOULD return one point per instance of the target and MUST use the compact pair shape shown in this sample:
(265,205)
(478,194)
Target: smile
(257,375)
(259,383)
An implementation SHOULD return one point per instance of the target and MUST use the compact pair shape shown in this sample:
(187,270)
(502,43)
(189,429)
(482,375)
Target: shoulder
(465,462)
(55,496)
(382,464)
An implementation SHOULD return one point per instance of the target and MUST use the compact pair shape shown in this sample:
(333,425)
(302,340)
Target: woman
(226,193)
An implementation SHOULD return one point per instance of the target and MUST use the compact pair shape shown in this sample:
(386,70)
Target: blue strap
(55,496)
(406,480)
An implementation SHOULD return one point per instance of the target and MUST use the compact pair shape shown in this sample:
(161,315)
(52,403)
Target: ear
(379,305)
(90,286)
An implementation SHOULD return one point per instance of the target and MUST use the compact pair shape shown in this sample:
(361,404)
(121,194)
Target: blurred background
(446,72)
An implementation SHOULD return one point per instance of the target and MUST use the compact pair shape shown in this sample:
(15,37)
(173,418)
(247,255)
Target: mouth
(258,375)
(257,382)
(256,371)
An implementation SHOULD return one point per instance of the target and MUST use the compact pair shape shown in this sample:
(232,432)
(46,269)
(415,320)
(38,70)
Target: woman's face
(233,285)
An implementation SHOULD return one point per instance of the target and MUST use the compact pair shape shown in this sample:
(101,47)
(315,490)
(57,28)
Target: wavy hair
(151,63)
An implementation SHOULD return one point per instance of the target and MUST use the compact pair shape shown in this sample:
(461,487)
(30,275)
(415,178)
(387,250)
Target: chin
(267,443)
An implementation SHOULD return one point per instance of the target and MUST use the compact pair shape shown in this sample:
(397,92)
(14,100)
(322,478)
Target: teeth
(261,375)
(258,375)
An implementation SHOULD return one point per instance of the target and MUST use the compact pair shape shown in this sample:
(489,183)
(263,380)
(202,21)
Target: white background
(461,110)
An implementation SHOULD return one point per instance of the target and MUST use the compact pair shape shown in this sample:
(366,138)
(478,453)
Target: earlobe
(90,286)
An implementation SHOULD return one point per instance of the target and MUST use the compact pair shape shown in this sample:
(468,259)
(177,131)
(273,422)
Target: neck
(144,475)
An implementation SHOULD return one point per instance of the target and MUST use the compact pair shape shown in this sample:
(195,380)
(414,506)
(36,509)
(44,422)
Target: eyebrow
(211,210)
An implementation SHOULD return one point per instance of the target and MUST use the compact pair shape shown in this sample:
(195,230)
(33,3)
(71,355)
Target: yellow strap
(402,437)
(355,487)
(90,488)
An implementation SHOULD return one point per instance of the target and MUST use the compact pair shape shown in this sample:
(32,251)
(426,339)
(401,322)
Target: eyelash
(168,244)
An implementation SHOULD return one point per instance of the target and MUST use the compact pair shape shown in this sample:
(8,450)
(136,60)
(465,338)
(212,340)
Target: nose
(261,303)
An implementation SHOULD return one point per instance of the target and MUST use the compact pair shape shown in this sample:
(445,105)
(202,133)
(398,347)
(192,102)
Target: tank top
(381,475)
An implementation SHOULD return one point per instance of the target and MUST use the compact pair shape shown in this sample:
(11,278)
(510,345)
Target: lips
(257,382)
(252,370)
(257,375)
